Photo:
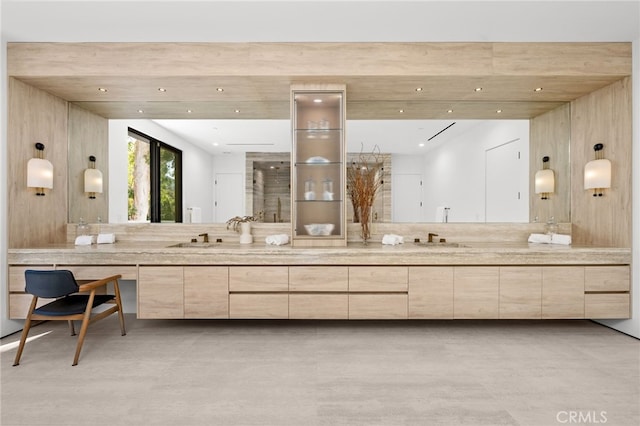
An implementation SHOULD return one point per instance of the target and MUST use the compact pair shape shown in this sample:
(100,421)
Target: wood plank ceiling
(384,80)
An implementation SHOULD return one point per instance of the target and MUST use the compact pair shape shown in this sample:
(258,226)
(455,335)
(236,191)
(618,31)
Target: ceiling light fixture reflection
(418,89)
(102,89)
(161,89)
(421,145)
(538,89)
(219,89)
(478,89)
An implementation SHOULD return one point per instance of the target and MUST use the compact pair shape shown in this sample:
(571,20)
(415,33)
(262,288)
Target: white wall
(7,326)
(454,173)
(632,326)
(197,174)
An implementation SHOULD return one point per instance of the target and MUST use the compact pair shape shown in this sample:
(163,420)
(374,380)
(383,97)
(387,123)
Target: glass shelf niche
(318,179)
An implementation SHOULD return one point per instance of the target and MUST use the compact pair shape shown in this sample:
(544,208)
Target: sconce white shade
(597,174)
(545,181)
(39,173)
(93,181)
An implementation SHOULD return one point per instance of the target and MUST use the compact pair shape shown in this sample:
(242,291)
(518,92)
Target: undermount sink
(193,245)
(438,244)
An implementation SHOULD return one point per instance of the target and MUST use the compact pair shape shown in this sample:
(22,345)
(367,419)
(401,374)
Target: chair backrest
(50,283)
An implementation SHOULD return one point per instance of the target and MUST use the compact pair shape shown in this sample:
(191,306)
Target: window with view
(155,180)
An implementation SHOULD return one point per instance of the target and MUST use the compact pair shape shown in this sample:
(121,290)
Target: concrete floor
(324,373)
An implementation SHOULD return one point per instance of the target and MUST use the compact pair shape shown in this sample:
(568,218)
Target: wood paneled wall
(603,116)
(550,135)
(35,116)
(88,135)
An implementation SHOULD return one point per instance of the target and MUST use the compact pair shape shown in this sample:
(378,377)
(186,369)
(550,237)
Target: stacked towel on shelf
(106,238)
(85,240)
(277,240)
(540,238)
(561,239)
(550,239)
(392,239)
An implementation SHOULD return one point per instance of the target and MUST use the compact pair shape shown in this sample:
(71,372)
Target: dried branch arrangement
(364,179)
(234,222)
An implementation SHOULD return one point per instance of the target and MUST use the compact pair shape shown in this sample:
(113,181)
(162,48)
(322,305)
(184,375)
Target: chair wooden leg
(72,328)
(25,332)
(85,325)
(119,303)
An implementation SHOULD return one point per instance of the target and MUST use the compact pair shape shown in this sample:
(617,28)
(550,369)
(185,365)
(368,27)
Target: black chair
(68,306)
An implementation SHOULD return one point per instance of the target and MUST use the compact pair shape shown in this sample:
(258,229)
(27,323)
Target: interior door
(407,198)
(507,188)
(228,196)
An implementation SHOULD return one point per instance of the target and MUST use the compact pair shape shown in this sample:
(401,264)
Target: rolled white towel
(561,239)
(106,238)
(85,240)
(277,240)
(540,238)
(392,239)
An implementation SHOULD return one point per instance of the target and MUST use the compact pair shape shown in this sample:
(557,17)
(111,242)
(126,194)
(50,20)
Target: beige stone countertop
(374,253)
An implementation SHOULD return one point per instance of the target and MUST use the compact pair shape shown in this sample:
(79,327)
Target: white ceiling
(396,136)
(317,21)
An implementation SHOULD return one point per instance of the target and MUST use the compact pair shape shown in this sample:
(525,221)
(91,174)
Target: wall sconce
(39,171)
(92,179)
(597,173)
(545,180)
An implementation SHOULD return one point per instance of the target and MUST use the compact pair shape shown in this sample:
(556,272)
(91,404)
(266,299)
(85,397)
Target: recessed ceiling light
(215,144)
(421,145)
(538,89)
(418,89)
(102,89)
(237,111)
(272,167)
(449,111)
(498,111)
(140,111)
(401,111)
(161,89)
(478,89)
(219,89)
(189,111)
(317,101)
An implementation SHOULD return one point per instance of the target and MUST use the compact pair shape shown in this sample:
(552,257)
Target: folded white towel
(561,239)
(106,238)
(392,239)
(85,240)
(540,238)
(277,240)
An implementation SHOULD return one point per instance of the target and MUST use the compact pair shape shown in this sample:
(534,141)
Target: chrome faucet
(430,237)
(206,237)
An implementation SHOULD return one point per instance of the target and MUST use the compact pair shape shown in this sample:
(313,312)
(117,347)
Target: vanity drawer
(258,278)
(82,272)
(19,305)
(378,306)
(259,306)
(378,278)
(319,278)
(318,306)
(606,278)
(16,276)
(603,305)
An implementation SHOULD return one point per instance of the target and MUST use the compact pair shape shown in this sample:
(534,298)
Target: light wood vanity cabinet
(476,292)
(378,292)
(161,292)
(431,292)
(318,292)
(520,292)
(562,292)
(607,292)
(259,292)
(170,292)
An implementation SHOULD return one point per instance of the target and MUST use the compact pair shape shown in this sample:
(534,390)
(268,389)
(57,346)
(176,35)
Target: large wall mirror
(435,170)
